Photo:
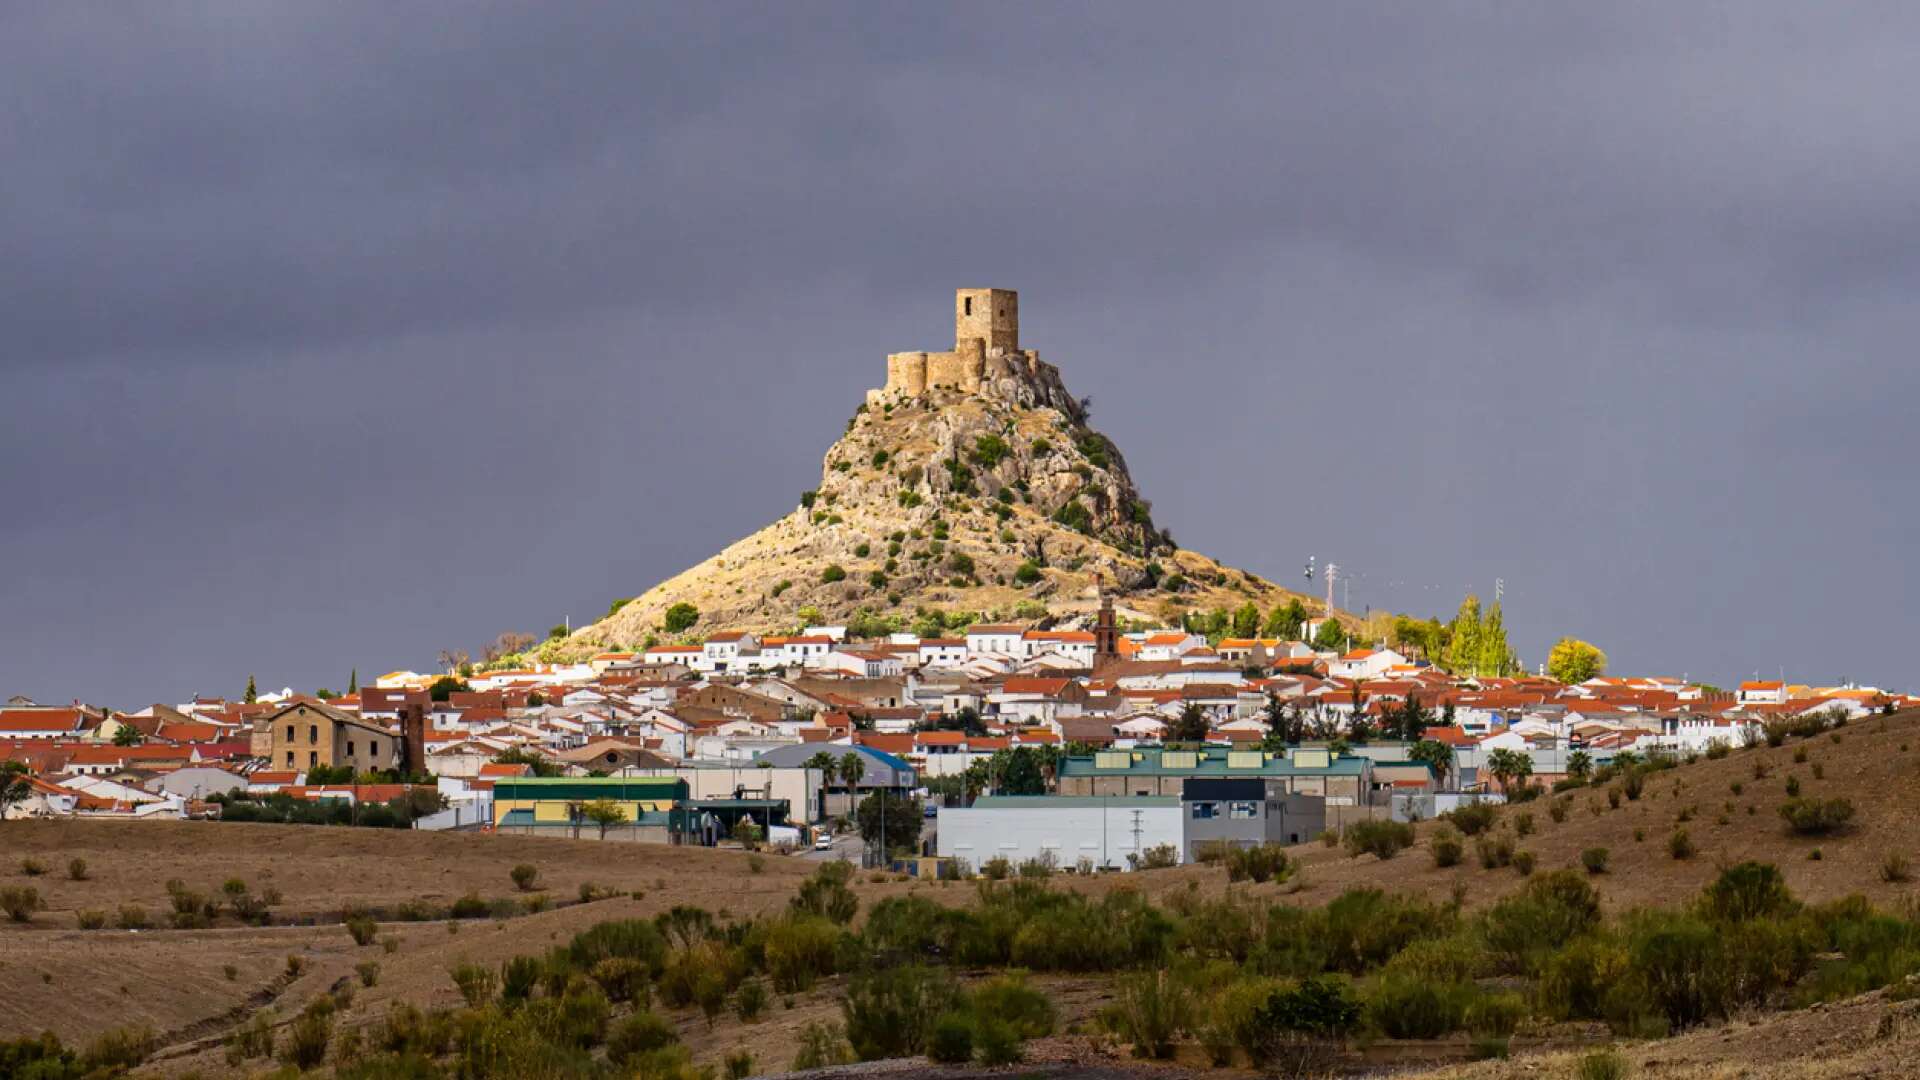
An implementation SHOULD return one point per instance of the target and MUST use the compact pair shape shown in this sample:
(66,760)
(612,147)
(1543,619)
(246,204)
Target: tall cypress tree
(252,695)
(1463,652)
(353,682)
(1496,658)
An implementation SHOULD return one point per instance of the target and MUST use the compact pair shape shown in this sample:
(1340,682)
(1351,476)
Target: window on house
(349,747)
(373,747)
(289,759)
(1243,810)
(289,732)
(313,732)
(313,757)
(1202,810)
(969,303)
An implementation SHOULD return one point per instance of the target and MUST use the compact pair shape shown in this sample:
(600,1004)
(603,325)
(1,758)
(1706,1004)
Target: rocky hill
(982,490)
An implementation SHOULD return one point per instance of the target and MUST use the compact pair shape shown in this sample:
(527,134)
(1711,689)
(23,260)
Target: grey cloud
(340,334)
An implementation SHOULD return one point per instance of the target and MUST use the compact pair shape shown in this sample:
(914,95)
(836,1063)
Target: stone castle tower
(986,356)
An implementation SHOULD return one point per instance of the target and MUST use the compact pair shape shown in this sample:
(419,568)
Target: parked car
(823,842)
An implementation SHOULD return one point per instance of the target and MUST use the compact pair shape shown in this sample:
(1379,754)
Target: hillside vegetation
(954,503)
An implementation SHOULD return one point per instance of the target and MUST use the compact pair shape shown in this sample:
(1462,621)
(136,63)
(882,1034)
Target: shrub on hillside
(1473,818)
(1680,845)
(891,1012)
(1009,999)
(1446,847)
(1494,850)
(1260,864)
(20,902)
(1595,860)
(362,929)
(827,894)
(525,876)
(1551,910)
(77,869)
(1751,890)
(1407,1008)
(951,1041)
(637,1035)
(1152,1009)
(1816,817)
(1382,839)
(476,982)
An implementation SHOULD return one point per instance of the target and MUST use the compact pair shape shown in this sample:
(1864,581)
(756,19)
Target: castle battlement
(986,348)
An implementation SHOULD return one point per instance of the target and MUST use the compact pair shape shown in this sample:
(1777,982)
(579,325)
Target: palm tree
(828,767)
(853,768)
(1579,764)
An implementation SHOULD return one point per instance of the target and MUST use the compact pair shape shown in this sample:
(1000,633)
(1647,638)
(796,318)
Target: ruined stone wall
(960,369)
(907,373)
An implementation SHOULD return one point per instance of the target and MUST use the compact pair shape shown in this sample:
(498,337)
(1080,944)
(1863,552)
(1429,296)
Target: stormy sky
(333,335)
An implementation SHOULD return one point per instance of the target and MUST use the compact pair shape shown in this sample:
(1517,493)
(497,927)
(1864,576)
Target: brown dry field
(175,981)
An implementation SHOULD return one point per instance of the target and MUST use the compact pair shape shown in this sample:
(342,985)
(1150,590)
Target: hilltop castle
(986,356)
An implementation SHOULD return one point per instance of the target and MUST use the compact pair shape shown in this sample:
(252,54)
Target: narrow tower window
(969,305)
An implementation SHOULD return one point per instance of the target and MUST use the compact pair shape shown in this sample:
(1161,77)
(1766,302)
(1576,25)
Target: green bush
(951,1042)
(518,977)
(1380,838)
(826,893)
(362,929)
(1816,817)
(1260,863)
(90,919)
(1750,890)
(995,1042)
(637,1035)
(1446,847)
(525,876)
(1151,1010)
(1551,910)
(750,1000)
(1576,979)
(800,949)
(1008,998)
(1363,928)
(1496,1015)
(1595,860)
(1473,818)
(822,1045)
(891,1012)
(1680,845)
(1402,1007)
(1495,850)
(307,1038)
(77,869)
(20,902)
(476,982)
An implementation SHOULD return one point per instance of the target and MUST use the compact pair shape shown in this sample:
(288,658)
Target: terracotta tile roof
(41,720)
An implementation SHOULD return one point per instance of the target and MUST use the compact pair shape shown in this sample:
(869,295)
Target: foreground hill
(960,498)
(1729,809)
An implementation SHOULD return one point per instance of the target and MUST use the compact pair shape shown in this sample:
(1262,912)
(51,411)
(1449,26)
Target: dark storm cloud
(338,334)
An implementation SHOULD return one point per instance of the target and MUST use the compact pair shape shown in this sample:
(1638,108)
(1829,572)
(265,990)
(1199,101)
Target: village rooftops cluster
(935,707)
